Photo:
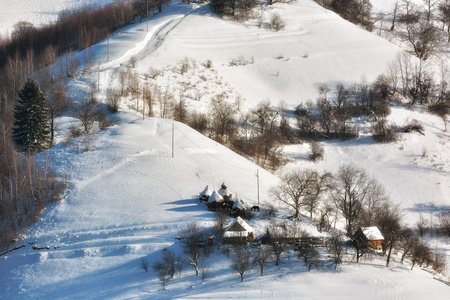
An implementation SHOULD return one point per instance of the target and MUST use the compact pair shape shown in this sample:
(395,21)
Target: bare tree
(336,249)
(316,151)
(204,269)
(263,256)
(122,77)
(278,249)
(295,187)
(420,254)
(429,5)
(309,253)
(350,193)
(360,243)
(422,35)
(422,225)
(144,264)
(180,111)
(442,109)
(222,114)
(191,236)
(444,12)
(377,200)
(162,272)
(21,28)
(356,11)
(389,222)
(444,221)
(86,113)
(407,243)
(241,261)
(113,100)
(439,262)
(395,10)
(169,259)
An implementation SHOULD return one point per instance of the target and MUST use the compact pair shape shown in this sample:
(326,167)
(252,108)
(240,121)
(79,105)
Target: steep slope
(317,47)
(127,199)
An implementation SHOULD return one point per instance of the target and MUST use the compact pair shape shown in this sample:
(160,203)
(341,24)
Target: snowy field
(128,198)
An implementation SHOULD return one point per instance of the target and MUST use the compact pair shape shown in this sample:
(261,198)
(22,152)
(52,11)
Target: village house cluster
(240,231)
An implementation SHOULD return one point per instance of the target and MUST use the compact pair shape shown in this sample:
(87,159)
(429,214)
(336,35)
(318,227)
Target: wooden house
(238,232)
(372,236)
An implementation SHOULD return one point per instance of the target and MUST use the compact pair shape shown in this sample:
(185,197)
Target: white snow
(372,233)
(128,198)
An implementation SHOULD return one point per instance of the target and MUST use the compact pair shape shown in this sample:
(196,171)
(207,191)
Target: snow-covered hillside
(128,198)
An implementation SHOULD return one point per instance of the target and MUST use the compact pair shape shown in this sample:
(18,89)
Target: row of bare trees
(361,201)
(32,52)
(355,11)
(25,190)
(257,132)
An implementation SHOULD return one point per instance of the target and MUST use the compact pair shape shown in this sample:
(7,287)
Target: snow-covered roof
(372,233)
(215,197)
(238,228)
(206,192)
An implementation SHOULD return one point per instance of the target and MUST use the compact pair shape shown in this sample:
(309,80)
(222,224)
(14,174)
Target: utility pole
(98,78)
(143,103)
(137,96)
(173,140)
(107,49)
(257,182)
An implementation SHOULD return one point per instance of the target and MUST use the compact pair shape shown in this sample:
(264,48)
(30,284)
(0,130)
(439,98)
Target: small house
(238,232)
(372,236)
(205,194)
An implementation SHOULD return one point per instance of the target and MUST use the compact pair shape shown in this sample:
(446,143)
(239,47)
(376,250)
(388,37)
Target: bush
(384,132)
(276,22)
(414,125)
(316,152)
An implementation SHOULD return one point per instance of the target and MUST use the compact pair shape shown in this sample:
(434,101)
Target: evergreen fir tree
(31,125)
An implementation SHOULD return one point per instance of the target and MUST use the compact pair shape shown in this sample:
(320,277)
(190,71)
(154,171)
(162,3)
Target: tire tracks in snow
(152,42)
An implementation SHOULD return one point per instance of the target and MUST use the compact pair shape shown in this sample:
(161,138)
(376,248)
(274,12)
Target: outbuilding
(372,236)
(238,232)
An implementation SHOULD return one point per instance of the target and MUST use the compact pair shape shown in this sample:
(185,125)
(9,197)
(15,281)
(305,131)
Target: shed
(372,235)
(238,231)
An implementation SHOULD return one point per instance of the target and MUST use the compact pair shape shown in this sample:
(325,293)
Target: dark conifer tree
(31,124)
